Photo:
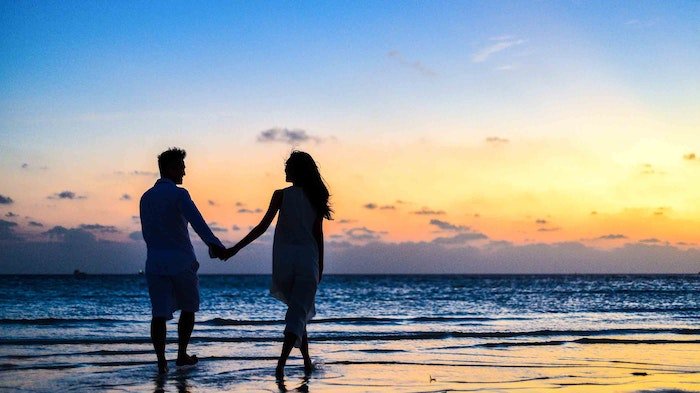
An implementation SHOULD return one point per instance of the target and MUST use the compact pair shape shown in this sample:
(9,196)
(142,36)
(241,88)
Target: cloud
(648,169)
(497,141)
(387,207)
(35,224)
(612,236)
(541,222)
(11,215)
(216,228)
(250,211)
(501,44)
(652,240)
(70,235)
(211,203)
(25,165)
(415,65)
(554,229)
(236,228)
(446,226)
(429,212)
(640,24)
(346,221)
(7,230)
(66,195)
(5,200)
(363,234)
(144,173)
(125,197)
(460,238)
(370,206)
(239,204)
(690,157)
(99,228)
(284,135)
(136,235)
(78,249)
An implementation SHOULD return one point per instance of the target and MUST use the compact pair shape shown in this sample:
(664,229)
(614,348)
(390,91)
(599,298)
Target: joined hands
(222,253)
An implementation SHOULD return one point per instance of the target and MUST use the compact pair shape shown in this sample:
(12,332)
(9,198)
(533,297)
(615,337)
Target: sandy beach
(420,366)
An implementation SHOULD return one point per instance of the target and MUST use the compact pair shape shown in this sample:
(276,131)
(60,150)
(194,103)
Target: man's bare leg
(158,332)
(184,332)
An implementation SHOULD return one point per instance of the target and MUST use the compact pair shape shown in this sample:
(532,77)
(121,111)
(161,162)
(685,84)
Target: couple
(171,265)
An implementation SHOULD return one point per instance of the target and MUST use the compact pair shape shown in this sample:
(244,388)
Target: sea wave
(577,336)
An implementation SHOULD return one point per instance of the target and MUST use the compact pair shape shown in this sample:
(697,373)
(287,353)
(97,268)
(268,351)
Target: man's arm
(194,217)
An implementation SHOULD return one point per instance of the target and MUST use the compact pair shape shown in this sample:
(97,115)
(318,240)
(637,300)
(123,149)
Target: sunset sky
(567,128)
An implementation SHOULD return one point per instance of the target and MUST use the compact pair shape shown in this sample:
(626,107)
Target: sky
(455,137)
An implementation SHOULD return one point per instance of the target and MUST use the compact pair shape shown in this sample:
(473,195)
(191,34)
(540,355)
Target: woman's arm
(318,235)
(275,203)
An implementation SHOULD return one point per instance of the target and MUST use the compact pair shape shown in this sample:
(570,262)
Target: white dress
(295,270)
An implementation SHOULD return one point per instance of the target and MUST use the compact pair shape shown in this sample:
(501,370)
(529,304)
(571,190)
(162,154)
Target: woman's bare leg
(308,366)
(289,340)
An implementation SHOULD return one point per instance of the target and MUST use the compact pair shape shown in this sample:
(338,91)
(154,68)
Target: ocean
(371,333)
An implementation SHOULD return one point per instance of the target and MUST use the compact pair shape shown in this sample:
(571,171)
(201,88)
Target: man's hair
(170,158)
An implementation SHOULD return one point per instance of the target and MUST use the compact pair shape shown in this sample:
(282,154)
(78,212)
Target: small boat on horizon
(78,274)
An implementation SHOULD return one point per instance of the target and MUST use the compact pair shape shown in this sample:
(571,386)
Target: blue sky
(505,115)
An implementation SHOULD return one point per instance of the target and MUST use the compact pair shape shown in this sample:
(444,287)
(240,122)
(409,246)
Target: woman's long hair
(302,170)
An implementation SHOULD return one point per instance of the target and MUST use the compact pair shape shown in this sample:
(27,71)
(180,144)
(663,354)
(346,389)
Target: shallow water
(372,333)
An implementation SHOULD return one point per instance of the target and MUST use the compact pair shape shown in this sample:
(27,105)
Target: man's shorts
(176,292)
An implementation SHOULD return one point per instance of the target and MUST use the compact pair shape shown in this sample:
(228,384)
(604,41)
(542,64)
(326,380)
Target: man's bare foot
(162,367)
(186,362)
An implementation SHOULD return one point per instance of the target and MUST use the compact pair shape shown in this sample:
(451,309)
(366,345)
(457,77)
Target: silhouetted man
(171,266)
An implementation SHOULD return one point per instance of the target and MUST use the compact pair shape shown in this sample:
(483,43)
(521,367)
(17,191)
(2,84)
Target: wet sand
(418,366)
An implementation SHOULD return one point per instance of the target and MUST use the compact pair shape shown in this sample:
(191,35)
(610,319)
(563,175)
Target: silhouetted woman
(297,256)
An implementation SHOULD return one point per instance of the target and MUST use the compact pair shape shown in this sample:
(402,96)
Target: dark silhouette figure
(297,255)
(171,265)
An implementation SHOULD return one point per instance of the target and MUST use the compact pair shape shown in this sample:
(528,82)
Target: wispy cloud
(446,226)
(498,44)
(415,65)
(7,230)
(235,228)
(690,157)
(363,234)
(35,224)
(212,203)
(641,24)
(6,200)
(424,211)
(370,206)
(99,228)
(460,238)
(346,221)
(125,197)
(612,236)
(215,227)
(553,229)
(497,141)
(285,135)
(66,195)
(250,211)
(11,215)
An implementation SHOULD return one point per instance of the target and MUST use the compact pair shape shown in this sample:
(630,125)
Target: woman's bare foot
(308,366)
(279,372)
